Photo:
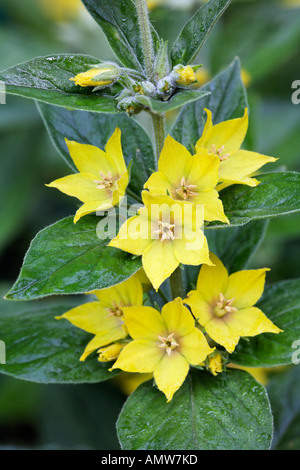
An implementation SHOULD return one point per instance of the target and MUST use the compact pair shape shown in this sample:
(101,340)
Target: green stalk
(145,28)
(159,121)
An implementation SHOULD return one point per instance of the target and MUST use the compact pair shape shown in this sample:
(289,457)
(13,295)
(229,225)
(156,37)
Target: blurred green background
(266,37)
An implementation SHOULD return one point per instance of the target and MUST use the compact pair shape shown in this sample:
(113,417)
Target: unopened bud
(110,353)
(183,75)
(101,76)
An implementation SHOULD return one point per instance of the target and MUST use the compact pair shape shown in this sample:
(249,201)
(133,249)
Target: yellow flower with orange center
(224,305)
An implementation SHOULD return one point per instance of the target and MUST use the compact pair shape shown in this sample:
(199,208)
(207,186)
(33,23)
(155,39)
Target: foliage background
(266,37)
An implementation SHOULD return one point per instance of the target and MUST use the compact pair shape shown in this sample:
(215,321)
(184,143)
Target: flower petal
(114,149)
(213,206)
(194,347)
(139,356)
(192,251)
(200,308)
(144,323)
(134,236)
(251,321)
(212,280)
(204,171)
(230,134)
(129,292)
(242,164)
(91,159)
(92,317)
(170,374)
(102,339)
(177,318)
(175,160)
(159,261)
(246,287)
(94,206)
(221,333)
(80,185)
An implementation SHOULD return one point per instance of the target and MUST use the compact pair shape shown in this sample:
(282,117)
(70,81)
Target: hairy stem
(146,36)
(159,125)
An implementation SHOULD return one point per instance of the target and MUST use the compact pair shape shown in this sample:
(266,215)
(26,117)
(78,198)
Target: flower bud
(110,353)
(183,75)
(101,76)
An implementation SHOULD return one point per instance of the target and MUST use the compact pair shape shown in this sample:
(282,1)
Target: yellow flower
(98,77)
(202,76)
(102,179)
(104,318)
(224,140)
(184,75)
(165,344)
(215,363)
(224,305)
(190,178)
(166,233)
(110,353)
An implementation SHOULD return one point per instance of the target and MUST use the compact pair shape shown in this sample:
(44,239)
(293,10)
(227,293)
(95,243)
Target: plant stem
(159,121)
(159,125)
(176,283)
(133,195)
(146,36)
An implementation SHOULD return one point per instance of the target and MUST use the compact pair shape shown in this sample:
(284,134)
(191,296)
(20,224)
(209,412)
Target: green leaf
(284,391)
(95,129)
(194,34)
(119,21)
(235,246)
(227,100)
(47,79)
(70,259)
(42,349)
(281,304)
(277,194)
(228,412)
(179,99)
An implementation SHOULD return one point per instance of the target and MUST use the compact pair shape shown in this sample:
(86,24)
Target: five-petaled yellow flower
(190,178)
(165,344)
(166,233)
(105,318)
(224,140)
(224,305)
(102,179)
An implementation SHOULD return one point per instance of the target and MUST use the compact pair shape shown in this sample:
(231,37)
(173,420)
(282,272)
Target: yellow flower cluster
(166,344)
(167,231)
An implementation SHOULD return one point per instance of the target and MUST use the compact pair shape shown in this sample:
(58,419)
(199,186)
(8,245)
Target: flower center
(106,181)
(169,343)
(186,190)
(115,310)
(223,306)
(165,231)
(219,152)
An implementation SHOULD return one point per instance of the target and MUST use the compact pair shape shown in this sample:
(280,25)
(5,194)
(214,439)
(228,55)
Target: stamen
(106,181)
(165,231)
(223,306)
(168,343)
(186,190)
(116,310)
(219,152)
